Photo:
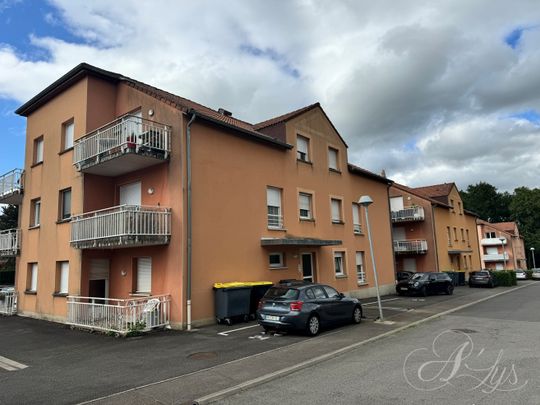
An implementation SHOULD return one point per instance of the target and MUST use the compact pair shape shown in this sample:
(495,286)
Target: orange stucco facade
(497,254)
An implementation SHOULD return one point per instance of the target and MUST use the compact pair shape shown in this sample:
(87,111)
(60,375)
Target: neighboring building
(501,246)
(431,229)
(127,188)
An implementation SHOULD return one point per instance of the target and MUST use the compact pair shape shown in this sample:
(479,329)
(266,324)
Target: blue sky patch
(274,56)
(530,115)
(513,39)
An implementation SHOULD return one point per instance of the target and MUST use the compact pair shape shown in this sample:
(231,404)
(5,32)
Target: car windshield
(419,276)
(282,293)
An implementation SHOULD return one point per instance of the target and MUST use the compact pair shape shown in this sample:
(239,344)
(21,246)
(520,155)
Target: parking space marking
(11,365)
(236,330)
(259,337)
(386,300)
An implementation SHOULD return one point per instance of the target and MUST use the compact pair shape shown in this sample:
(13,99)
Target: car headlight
(416,284)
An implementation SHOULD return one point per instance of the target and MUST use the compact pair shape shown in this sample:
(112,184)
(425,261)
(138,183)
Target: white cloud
(418,90)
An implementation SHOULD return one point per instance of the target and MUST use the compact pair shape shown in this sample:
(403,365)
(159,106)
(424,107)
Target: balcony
(11,187)
(414,246)
(10,242)
(498,257)
(8,302)
(119,316)
(121,227)
(492,242)
(408,214)
(130,143)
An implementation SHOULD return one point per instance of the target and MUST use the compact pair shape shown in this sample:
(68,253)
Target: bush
(505,278)
(528,273)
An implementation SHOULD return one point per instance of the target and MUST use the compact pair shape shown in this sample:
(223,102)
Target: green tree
(490,205)
(525,209)
(9,218)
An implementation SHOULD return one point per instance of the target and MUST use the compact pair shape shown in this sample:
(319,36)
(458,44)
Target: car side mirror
(341,295)
(432,279)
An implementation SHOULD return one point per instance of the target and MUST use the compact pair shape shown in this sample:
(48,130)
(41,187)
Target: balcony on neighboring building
(410,246)
(408,214)
(121,227)
(8,301)
(10,242)
(498,257)
(492,242)
(127,144)
(11,187)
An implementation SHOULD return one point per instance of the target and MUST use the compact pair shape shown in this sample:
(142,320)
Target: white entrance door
(130,194)
(307,266)
(409,264)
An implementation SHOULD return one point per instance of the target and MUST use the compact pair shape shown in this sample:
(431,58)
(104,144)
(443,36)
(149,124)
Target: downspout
(434,236)
(391,231)
(188,170)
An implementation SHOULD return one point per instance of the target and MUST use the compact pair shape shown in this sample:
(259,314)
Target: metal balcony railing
(418,246)
(10,242)
(124,225)
(119,315)
(408,214)
(8,302)
(129,134)
(11,183)
(496,257)
(492,242)
(275,221)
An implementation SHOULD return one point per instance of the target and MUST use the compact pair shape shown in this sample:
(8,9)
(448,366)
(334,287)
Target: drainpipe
(188,164)
(434,232)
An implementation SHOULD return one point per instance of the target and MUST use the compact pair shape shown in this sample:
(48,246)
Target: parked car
(483,278)
(521,275)
(426,283)
(403,275)
(536,274)
(306,307)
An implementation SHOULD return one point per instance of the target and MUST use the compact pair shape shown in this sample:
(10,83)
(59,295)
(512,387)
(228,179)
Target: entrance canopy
(458,252)
(294,241)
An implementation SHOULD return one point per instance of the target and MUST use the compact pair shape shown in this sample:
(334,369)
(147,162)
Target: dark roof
(436,190)
(366,173)
(285,117)
(419,194)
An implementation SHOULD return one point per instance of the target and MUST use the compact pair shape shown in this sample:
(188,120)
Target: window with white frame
(336,211)
(302,148)
(275,260)
(31,283)
(273,203)
(360,271)
(339,263)
(144,275)
(35,214)
(62,277)
(357,226)
(64,201)
(305,202)
(68,129)
(38,150)
(333,159)
(491,235)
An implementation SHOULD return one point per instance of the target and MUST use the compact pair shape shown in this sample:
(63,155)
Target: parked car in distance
(536,274)
(303,306)
(483,278)
(403,275)
(521,275)
(426,283)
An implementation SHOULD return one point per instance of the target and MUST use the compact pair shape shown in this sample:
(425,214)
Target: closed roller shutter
(144,274)
(99,269)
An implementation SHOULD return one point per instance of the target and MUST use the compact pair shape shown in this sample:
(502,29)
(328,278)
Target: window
(339,263)
(360,272)
(38,150)
(318,292)
(64,201)
(62,277)
(275,260)
(273,203)
(35,214)
(68,129)
(449,236)
(336,211)
(462,235)
(305,204)
(331,292)
(468,240)
(491,235)
(144,275)
(465,266)
(459,208)
(357,226)
(455,234)
(302,148)
(452,204)
(333,159)
(31,280)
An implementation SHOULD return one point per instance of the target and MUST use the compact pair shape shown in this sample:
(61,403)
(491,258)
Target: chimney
(224,112)
(383,173)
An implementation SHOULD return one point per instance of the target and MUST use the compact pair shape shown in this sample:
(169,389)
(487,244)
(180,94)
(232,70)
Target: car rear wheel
(313,325)
(449,290)
(357,315)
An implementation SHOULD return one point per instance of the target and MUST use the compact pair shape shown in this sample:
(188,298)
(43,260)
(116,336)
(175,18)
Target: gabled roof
(436,190)
(419,194)
(366,173)
(508,227)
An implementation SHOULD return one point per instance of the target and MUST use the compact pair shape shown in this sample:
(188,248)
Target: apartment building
(432,231)
(501,246)
(135,201)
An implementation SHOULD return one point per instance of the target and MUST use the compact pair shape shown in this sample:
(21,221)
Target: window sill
(57,294)
(277,229)
(307,162)
(279,268)
(307,219)
(337,171)
(63,221)
(359,233)
(34,227)
(362,284)
(36,164)
(65,151)
(30,292)
(338,222)
(140,295)
(341,276)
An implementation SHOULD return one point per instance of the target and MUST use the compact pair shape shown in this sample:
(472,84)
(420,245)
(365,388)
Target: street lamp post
(532,254)
(503,252)
(366,201)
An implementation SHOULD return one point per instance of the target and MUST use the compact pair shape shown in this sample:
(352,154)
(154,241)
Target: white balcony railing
(275,221)
(496,257)
(119,315)
(492,242)
(124,225)
(8,302)
(129,134)
(408,214)
(11,183)
(10,242)
(410,246)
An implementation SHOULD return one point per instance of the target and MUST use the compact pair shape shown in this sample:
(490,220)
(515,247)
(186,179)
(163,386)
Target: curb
(289,370)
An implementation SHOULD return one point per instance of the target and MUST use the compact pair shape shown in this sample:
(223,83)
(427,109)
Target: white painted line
(11,365)
(375,302)
(235,330)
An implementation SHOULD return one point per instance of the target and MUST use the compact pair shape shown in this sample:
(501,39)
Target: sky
(431,92)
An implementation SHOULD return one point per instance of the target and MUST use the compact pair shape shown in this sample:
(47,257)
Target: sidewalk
(216,382)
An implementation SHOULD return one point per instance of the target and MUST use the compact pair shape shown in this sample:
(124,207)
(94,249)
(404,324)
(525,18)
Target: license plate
(271,317)
(403,288)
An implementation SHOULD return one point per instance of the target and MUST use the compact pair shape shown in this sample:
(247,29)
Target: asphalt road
(484,354)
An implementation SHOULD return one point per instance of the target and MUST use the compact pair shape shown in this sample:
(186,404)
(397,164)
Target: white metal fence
(275,221)
(10,242)
(127,134)
(124,224)
(408,214)
(11,182)
(495,257)
(8,302)
(410,246)
(119,315)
